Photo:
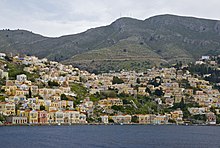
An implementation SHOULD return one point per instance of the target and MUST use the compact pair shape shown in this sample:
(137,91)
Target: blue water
(102,136)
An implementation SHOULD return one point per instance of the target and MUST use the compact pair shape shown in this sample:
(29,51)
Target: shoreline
(109,124)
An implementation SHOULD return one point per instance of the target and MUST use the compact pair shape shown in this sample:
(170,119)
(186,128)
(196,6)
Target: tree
(2,98)
(199,117)
(134,119)
(110,120)
(52,83)
(108,93)
(29,92)
(212,109)
(218,119)
(171,121)
(99,119)
(178,65)
(117,108)
(138,81)
(117,80)
(155,81)
(42,107)
(182,104)
(63,97)
(2,118)
(82,79)
(90,119)
(159,92)
(147,90)
(125,101)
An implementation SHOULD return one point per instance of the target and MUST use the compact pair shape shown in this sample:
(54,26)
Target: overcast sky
(61,17)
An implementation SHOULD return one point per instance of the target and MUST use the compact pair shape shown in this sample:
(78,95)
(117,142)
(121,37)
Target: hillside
(126,43)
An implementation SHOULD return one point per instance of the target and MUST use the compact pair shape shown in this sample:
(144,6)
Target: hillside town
(41,92)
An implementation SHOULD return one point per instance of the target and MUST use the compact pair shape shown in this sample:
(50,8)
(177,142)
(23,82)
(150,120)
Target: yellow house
(74,78)
(63,103)
(41,102)
(23,113)
(21,92)
(58,92)
(143,119)
(55,97)
(65,89)
(10,90)
(177,115)
(189,91)
(9,83)
(33,117)
(71,116)
(55,104)
(110,102)
(141,91)
(34,90)
(7,108)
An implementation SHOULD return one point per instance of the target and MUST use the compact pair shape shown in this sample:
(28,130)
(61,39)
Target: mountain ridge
(138,44)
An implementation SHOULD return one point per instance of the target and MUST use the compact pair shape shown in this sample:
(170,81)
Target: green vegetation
(108,94)
(117,80)
(94,97)
(158,92)
(117,108)
(155,82)
(80,91)
(16,69)
(2,98)
(171,121)
(138,81)
(218,119)
(137,105)
(184,84)
(199,117)
(42,107)
(29,93)
(200,69)
(63,97)
(184,107)
(53,84)
(2,82)
(110,120)
(2,118)
(134,119)
(134,48)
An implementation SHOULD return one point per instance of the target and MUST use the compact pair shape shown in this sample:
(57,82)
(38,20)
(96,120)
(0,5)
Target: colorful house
(42,117)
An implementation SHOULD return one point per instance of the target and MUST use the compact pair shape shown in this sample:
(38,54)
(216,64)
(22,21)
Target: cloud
(56,17)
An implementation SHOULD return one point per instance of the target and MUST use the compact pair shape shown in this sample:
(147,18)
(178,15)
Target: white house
(2,55)
(22,78)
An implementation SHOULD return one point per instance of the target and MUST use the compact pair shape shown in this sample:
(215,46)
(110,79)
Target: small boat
(121,123)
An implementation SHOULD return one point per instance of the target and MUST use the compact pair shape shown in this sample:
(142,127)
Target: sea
(110,136)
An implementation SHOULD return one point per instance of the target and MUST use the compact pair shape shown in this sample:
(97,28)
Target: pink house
(42,117)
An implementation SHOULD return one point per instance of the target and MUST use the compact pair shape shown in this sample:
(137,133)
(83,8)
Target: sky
(54,18)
